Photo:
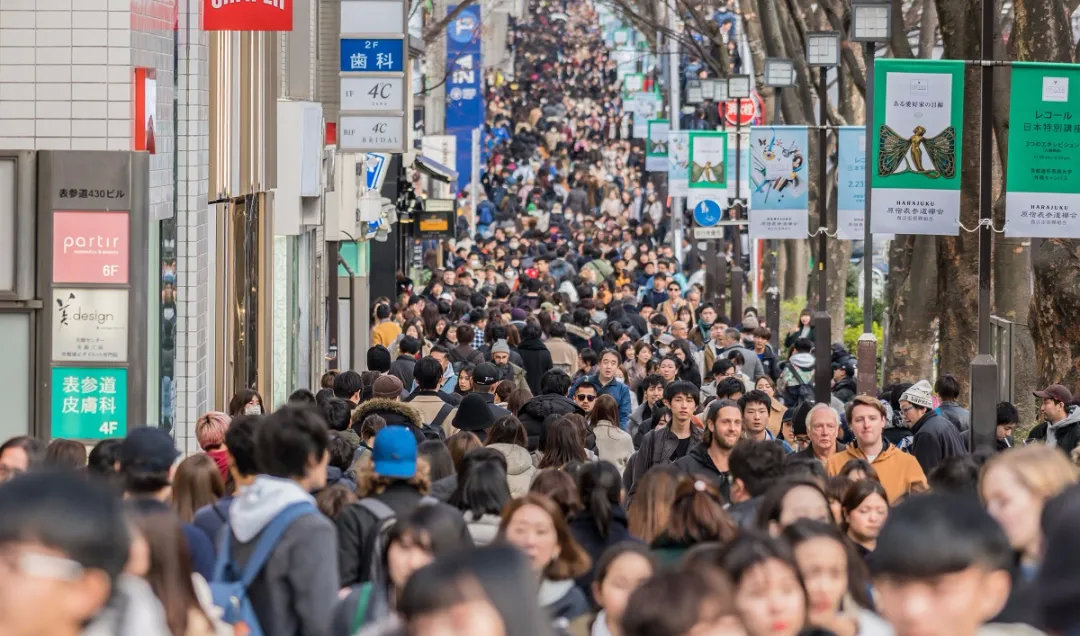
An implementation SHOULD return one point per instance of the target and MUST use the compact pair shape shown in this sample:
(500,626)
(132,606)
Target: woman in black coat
(603,522)
(535,356)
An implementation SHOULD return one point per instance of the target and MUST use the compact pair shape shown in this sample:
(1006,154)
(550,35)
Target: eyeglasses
(584,397)
(905,409)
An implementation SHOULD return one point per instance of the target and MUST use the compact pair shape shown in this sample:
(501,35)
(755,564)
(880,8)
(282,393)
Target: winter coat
(699,462)
(801,366)
(899,472)
(563,600)
(396,414)
(563,355)
(615,389)
(402,369)
(535,411)
(513,373)
(1066,433)
(844,390)
(429,404)
(640,421)
(770,364)
(657,447)
(613,444)
(751,367)
(296,590)
(519,468)
(935,439)
(958,415)
(536,359)
(464,353)
(583,527)
(483,529)
(583,337)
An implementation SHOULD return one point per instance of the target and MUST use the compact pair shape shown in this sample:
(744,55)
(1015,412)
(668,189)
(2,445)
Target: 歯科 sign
(90,247)
(918,119)
(1042,184)
(89,402)
(656,146)
(247,15)
(708,156)
(89,325)
(779,182)
(372,55)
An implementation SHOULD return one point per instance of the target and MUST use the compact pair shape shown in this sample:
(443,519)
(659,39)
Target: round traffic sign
(707,213)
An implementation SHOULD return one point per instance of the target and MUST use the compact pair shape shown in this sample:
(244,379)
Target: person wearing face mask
(246,402)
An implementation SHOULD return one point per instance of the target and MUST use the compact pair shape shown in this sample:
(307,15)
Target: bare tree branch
(435,30)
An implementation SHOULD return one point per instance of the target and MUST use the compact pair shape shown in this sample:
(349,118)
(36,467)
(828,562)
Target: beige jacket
(563,355)
(613,444)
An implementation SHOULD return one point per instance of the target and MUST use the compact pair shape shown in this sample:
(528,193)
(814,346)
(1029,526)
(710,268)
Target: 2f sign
(372,94)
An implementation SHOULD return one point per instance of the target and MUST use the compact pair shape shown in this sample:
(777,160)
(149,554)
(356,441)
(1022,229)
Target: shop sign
(90,247)
(89,402)
(89,325)
(247,15)
(371,133)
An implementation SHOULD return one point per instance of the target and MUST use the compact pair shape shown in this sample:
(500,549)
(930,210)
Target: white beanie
(920,394)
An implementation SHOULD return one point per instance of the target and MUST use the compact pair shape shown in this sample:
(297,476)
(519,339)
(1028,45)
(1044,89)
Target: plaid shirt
(478,339)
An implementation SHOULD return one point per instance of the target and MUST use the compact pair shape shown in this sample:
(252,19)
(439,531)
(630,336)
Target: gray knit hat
(920,394)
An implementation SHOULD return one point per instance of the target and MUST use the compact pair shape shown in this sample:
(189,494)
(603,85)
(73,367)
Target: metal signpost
(374,76)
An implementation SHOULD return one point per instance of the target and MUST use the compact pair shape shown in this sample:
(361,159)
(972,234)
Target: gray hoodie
(1053,430)
(297,589)
(519,468)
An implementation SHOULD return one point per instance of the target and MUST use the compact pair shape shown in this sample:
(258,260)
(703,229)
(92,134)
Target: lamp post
(739,89)
(870,24)
(779,74)
(715,266)
(822,51)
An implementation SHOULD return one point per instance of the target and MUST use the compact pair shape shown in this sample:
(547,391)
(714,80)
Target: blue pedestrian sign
(707,213)
(373,55)
(376,170)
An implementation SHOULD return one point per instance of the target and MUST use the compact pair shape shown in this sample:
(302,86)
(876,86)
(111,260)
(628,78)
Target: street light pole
(984,369)
(736,248)
(673,124)
(779,73)
(871,22)
(823,51)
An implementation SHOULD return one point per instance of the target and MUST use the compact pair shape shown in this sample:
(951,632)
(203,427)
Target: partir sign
(247,15)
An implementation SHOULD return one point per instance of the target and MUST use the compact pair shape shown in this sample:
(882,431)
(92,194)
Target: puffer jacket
(519,468)
(535,411)
(613,444)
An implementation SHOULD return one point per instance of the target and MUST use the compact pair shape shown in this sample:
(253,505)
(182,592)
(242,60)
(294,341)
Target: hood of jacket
(542,406)
(803,360)
(518,459)
(257,505)
(553,591)
(386,405)
(533,344)
(1072,418)
(585,333)
(699,453)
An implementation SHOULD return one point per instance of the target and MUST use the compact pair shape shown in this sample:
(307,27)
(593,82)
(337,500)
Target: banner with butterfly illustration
(1042,184)
(779,185)
(918,119)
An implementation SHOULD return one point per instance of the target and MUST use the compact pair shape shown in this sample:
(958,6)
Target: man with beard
(723,430)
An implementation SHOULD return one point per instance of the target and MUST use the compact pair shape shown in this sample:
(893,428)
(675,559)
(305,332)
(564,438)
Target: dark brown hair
(562,444)
(698,515)
(572,560)
(650,508)
(606,408)
(560,487)
(197,483)
(460,443)
(66,453)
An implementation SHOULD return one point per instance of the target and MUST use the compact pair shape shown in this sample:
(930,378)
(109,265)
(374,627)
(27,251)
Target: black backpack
(798,393)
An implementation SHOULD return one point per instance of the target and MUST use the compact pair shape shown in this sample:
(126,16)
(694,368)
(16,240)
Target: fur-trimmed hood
(392,411)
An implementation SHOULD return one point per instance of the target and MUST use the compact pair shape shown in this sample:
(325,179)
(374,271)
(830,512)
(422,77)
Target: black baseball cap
(486,374)
(149,449)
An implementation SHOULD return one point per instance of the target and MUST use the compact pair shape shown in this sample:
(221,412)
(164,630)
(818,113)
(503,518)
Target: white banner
(678,163)
(896,211)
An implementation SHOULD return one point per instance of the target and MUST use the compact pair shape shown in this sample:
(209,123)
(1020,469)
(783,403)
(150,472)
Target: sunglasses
(584,397)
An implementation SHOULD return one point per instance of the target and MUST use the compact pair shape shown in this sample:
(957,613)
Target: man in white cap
(935,438)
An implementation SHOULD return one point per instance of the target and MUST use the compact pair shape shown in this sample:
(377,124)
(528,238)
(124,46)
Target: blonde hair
(1042,470)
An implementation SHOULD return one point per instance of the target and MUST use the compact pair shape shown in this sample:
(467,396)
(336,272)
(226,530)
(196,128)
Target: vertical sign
(850,183)
(92,210)
(918,120)
(678,163)
(374,68)
(464,84)
(234,15)
(1042,191)
(779,183)
(656,146)
(645,106)
(708,155)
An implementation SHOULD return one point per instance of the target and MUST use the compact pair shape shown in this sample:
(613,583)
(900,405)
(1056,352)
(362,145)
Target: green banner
(708,156)
(89,402)
(1042,184)
(918,122)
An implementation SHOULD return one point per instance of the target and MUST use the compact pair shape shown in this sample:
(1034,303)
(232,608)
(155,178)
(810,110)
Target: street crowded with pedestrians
(556,430)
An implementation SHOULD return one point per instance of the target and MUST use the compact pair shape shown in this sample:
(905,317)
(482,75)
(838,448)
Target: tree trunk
(838,263)
(797,269)
(927,29)
(912,306)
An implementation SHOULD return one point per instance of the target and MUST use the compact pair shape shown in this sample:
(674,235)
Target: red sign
(90,247)
(750,114)
(247,15)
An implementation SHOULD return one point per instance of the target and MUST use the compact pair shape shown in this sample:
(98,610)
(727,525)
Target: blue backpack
(229,585)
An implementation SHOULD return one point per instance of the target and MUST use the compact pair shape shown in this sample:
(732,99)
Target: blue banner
(373,55)
(851,183)
(779,183)
(464,85)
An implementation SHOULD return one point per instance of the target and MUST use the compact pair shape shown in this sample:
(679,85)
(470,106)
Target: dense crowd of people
(557,433)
